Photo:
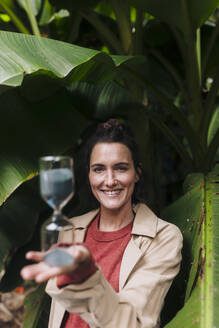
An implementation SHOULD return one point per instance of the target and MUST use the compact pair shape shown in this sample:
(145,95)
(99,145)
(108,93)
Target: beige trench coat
(149,264)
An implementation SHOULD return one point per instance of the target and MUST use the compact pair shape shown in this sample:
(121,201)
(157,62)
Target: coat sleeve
(139,302)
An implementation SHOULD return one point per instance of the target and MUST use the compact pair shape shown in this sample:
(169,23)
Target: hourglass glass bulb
(52,229)
(57,188)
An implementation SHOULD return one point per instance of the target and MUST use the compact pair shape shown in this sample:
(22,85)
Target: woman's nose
(110,179)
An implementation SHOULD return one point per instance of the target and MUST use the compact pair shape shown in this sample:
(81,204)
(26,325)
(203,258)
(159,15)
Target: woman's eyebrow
(97,164)
(122,163)
(116,164)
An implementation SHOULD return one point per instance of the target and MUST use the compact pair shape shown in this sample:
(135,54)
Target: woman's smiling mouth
(112,192)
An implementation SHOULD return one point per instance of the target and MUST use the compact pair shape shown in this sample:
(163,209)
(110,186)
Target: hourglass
(56,188)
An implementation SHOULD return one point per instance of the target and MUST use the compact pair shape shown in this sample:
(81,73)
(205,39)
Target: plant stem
(17,22)
(122,13)
(103,30)
(138,36)
(209,108)
(209,48)
(192,69)
(32,18)
(198,51)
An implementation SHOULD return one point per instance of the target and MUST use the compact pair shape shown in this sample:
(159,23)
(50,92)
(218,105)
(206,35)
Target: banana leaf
(22,55)
(179,13)
(37,308)
(197,215)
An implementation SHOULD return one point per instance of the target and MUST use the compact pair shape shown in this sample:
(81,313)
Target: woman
(126,258)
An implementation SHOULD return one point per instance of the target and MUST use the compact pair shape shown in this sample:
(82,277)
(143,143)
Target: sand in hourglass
(56,186)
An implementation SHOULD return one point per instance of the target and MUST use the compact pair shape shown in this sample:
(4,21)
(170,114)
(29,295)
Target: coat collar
(145,222)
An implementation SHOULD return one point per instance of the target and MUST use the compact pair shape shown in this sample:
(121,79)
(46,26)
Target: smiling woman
(125,256)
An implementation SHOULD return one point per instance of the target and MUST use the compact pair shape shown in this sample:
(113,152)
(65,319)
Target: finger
(42,272)
(35,256)
(31,271)
(46,275)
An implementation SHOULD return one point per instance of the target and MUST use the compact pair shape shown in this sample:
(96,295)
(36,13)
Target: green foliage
(37,308)
(51,92)
(179,13)
(196,213)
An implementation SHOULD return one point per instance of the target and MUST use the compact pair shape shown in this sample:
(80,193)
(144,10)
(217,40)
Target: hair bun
(111,124)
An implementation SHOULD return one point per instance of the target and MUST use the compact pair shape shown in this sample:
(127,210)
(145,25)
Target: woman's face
(112,175)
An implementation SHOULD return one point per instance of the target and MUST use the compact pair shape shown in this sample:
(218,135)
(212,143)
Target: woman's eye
(122,168)
(98,169)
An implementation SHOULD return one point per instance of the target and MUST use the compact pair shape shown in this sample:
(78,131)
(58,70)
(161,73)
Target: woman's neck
(112,220)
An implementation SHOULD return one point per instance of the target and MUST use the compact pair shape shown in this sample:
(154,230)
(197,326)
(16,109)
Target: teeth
(113,192)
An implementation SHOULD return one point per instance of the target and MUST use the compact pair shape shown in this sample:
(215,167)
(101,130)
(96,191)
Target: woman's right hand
(41,271)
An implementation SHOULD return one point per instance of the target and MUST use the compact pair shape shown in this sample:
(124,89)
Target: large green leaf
(45,126)
(197,214)
(102,101)
(179,13)
(37,308)
(24,54)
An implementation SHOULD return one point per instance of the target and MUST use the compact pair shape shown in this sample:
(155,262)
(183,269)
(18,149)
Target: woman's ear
(136,178)
(138,174)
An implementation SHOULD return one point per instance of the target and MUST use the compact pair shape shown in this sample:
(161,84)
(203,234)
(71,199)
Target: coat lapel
(81,223)
(56,315)
(145,225)
(130,257)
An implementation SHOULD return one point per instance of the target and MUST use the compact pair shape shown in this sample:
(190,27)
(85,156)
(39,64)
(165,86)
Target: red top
(107,249)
